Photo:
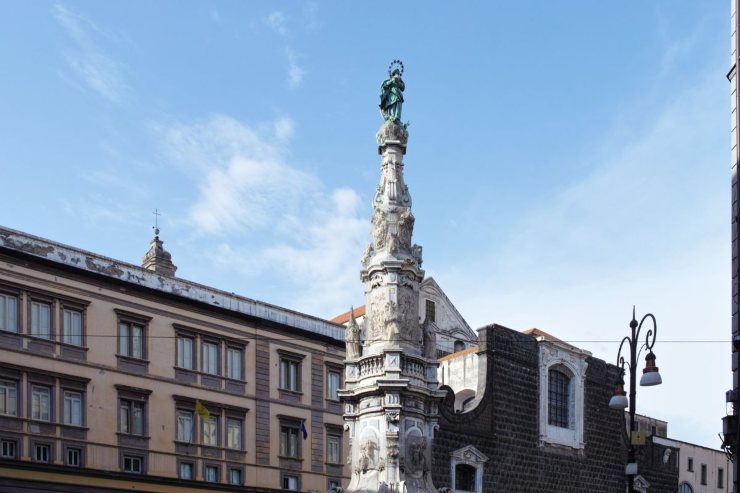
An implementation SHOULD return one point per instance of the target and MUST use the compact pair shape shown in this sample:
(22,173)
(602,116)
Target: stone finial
(157,259)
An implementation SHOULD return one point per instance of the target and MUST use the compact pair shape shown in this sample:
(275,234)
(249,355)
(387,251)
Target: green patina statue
(391,93)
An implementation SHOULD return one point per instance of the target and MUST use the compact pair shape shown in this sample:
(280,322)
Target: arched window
(459,346)
(685,488)
(465,477)
(558,395)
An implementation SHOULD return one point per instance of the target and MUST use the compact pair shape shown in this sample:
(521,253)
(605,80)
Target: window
(131,340)
(72,327)
(210,358)
(184,426)
(703,474)
(235,476)
(40,403)
(186,470)
(289,444)
(234,433)
(73,457)
(466,468)
(458,346)
(334,485)
(234,363)
(290,371)
(334,379)
(41,319)
(210,474)
(133,463)
(562,373)
(290,482)
(465,477)
(720,477)
(185,347)
(72,408)
(690,465)
(132,417)
(430,311)
(210,431)
(685,488)
(8,313)
(334,448)
(558,399)
(8,398)
(8,449)
(41,452)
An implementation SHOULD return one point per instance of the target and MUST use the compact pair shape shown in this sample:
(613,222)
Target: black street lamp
(650,376)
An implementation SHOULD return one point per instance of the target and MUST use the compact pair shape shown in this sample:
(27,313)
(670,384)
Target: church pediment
(469,455)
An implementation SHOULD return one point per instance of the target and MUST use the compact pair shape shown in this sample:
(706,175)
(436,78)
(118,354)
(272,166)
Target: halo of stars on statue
(395,64)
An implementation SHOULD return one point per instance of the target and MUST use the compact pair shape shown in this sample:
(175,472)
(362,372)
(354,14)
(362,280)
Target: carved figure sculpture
(367,455)
(380,229)
(417,461)
(352,337)
(430,340)
(405,228)
(391,97)
(390,312)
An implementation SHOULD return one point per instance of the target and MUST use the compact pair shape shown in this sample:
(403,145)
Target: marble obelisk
(391,391)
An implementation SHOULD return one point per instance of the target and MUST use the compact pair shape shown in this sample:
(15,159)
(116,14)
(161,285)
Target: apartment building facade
(115,376)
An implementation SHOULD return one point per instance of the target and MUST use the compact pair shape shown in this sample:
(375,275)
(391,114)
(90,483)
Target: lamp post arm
(620,358)
(651,333)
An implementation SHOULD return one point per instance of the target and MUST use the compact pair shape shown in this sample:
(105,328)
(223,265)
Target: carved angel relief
(380,229)
(405,229)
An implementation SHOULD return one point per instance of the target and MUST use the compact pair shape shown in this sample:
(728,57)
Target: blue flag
(303,430)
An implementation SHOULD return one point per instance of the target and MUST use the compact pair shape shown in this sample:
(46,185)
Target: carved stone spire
(391,390)
(157,259)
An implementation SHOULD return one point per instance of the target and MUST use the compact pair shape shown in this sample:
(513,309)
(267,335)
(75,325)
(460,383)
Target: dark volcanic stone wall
(505,427)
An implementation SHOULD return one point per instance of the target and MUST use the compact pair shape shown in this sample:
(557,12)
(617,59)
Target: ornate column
(391,392)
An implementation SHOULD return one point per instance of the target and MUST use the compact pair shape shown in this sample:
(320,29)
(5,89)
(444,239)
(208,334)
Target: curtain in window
(40,320)
(210,432)
(72,327)
(185,426)
(234,434)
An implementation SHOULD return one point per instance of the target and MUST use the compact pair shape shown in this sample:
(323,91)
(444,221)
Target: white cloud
(92,65)
(273,219)
(276,20)
(284,128)
(295,72)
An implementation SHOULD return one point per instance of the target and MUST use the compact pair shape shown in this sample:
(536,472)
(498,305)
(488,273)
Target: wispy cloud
(277,21)
(95,68)
(271,217)
(295,72)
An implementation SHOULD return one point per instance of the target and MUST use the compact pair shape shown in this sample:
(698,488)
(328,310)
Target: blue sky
(566,159)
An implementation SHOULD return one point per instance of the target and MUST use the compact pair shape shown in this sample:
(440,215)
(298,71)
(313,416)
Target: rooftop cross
(156,222)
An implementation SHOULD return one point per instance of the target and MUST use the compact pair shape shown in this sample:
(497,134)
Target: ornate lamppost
(650,376)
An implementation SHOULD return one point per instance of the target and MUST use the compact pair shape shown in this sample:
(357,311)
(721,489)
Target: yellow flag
(638,438)
(202,410)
